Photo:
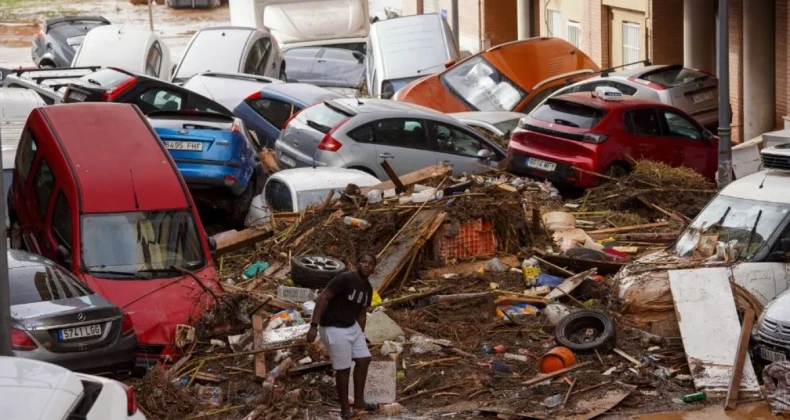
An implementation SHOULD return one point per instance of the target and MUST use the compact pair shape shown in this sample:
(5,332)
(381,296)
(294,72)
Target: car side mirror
(449,63)
(63,255)
(707,135)
(484,154)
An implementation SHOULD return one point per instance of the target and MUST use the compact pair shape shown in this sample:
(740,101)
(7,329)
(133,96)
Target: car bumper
(772,348)
(289,159)
(119,358)
(209,176)
(562,175)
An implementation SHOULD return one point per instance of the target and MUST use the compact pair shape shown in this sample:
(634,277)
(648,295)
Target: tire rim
(319,263)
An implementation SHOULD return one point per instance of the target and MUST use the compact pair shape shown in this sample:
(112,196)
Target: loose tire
(572,325)
(315,271)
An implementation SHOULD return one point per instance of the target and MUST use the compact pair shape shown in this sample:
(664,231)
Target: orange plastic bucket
(556,359)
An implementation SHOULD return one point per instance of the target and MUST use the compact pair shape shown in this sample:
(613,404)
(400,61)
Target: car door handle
(386,156)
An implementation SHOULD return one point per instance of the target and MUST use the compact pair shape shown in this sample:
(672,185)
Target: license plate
(773,356)
(541,164)
(702,97)
(287,160)
(77,333)
(194,146)
(77,96)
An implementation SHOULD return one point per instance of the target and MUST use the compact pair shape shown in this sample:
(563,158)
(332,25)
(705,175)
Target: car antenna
(134,190)
(763,181)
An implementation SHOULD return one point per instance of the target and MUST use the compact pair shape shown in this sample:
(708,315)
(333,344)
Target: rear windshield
(675,76)
(106,78)
(321,117)
(43,283)
(215,50)
(569,114)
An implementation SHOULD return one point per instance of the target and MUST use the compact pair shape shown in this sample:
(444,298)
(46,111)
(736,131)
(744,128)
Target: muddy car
(745,228)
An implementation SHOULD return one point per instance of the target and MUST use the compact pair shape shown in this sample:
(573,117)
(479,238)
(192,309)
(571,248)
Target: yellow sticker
(530,272)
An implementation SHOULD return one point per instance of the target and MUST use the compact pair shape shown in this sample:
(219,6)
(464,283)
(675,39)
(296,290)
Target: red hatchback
(95,190)
(602,132)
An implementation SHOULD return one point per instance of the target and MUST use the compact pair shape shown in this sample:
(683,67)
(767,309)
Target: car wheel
(15,236)
(315,271)
(617,171)
(585,331)
(241,205)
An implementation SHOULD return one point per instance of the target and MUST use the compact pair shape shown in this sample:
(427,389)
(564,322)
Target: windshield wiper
(754,228)
(565,122)
(114,273)
(320,127)
(157,271)
(93,82)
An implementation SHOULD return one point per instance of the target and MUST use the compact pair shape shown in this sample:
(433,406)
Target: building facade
(622,32)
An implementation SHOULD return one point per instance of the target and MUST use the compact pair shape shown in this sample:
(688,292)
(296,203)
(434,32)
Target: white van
(303,23)
(131,48)
(407,48)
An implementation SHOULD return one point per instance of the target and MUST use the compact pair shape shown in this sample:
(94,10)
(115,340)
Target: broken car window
(733,219)
(278,196)
(482,86)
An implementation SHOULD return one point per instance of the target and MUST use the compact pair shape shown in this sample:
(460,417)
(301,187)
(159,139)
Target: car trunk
(558,127)
(309,127)
(690,90)
(312,20)
(564,142)
(200,137)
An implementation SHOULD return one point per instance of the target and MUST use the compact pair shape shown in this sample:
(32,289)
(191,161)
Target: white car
(231,49)
(293,190)
(490,123)
(132,48)
(33,390)
(228,89)
(301,23)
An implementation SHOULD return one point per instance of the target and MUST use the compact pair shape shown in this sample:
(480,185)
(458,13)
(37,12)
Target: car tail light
(127,328)
(41,34)
(114,92)
(131,403)
(21,341)
(329,143)
(595,138)
(254,96)
(229,180)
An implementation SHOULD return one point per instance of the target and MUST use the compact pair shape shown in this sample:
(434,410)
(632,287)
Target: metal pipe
(456,26)
(724,174)
(151,14)
(5,302)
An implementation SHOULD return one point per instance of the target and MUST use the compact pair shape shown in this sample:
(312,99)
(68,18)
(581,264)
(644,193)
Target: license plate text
(76,333)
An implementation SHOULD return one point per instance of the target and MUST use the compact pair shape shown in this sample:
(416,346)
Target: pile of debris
(491,297)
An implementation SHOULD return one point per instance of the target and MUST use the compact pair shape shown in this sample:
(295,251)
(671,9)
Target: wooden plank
(569,285)
(257,339)
(435,171)
(706,314)
(241,239)
(647,237)
(628,228)
(467,267)
(536,380)
(270,300)
(269,161)
(605,268)
(740,359)
(399,187)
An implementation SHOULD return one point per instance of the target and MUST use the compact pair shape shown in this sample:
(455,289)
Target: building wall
(736,68)
(468,19)
(665,40)
(500,23)
(782,72)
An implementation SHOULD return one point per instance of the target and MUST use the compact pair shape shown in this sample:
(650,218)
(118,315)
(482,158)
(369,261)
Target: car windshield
(508,126)
(43,283)
(305,198)
(482,86)
(670,77)
(214,50)
(129,244)
(734,219)
(106,78)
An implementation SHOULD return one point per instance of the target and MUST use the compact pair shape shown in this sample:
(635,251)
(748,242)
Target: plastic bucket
(556,359)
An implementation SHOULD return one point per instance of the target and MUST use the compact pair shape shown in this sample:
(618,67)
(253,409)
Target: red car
(602,131)
(95,190)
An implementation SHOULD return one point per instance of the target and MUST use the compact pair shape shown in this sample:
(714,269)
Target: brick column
(759,64)
(736,68)
(699,27)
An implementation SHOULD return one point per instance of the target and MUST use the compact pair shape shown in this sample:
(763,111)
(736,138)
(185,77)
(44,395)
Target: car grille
(775,161)
(775,332)
(555,133)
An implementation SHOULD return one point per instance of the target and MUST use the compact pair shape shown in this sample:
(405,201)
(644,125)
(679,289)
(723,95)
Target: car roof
(45,390)
(586,98)
(491,117)
(304,93)
(771,185)
(102,45)
(636,72)
(411,45)
(371,105)
(306,179)
(116,156)
(233,28)
(15,106)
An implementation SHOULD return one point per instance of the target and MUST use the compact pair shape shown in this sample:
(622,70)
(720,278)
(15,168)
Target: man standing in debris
(340,313)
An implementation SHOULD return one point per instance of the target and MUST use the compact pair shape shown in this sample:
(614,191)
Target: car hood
(430,92)
(36,390)
(780,308)
(156,306)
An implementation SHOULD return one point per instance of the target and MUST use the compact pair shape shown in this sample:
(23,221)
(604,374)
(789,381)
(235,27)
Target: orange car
(514,76)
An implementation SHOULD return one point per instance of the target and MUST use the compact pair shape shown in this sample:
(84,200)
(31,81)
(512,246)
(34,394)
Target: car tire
(239,207)
(315,271)
(575,322)
(15,236)
(617,171)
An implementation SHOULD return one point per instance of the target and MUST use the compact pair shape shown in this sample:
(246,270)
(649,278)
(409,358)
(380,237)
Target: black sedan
(57,319)
(60,38)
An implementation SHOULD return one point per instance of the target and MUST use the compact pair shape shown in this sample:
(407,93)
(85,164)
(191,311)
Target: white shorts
(344,345)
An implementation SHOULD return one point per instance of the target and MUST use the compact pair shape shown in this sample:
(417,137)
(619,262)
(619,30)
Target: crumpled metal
(776,377)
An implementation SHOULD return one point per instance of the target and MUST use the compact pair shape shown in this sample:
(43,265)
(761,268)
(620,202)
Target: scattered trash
(557,359)
(585,331)
(185,335)
(391,348)
(296,294)
(390,409)
(690,398)
(353,221)
(555,312)
(496,265)
(499,348)
(553,401)
(210,396)
(516,311)
(255,269)
(286,318)
(776,377)
(217,343)
(549,281)
(375,196)
(421,344)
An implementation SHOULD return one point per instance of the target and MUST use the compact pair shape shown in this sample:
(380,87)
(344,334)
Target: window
(140,244)
(679,126)
(200,104)
(482,86)
(274,111)
(554,22)
(27,151)
(278,196)
(160,100)
(590,87)
(340,54)
(153,63)
(258,57)
(631,41)
(61,222)
(540,97)
(362,134)
(400,133)
(43,282)
(217,50)
(44,184)
(321,117)
(673,76)
(643,122)
(451,140)
(569,114)
(305,52)
(781,249)
(574,33)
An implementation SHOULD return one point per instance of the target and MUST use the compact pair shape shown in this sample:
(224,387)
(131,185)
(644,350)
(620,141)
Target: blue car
(216,156)
(266,112)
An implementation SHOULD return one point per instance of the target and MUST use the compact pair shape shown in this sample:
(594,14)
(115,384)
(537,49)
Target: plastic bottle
(699,396)
(274,373)
(530,270)
(288,317)
(374,196)
(353,221)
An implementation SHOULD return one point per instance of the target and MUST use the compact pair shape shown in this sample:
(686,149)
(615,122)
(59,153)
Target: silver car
(362,133)
(57,319)
(490,123)
(691,90)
